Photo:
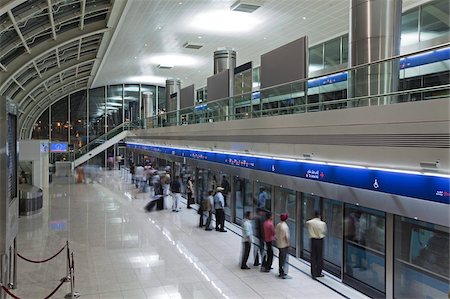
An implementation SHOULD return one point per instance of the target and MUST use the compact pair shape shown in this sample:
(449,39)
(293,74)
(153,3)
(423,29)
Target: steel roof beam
(50,15)
(57,58)
(51,74)
(19,33)
(3,67)
(79,48)
(43,49)
(37,69)
(83,13)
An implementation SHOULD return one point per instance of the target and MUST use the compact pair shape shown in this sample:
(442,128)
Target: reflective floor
(122,252)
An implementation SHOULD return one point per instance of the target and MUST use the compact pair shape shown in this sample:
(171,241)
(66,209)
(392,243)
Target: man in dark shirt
(175,187)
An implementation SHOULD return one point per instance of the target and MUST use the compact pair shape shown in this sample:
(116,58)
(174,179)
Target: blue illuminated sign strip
(412,184)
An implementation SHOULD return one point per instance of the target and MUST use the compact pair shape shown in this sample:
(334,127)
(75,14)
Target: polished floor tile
(122,252)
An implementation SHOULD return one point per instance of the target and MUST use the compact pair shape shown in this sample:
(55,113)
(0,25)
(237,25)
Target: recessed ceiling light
(179,3)
(135,57)
(304,18)
(225,21)
(158,27)
(265,37)
(145,45)
(199,37)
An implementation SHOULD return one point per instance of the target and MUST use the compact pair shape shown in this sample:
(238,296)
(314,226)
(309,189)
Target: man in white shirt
(219,203)
(246,239)
(283,243)
(317,230)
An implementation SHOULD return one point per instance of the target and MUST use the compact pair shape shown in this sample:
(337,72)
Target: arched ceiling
(50,48)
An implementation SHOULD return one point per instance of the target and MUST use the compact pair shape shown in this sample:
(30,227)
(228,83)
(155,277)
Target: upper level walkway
(123,252)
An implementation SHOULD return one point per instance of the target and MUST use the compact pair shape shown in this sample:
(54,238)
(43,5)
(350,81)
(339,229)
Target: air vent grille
(248,6)
(165,66)
(193,46)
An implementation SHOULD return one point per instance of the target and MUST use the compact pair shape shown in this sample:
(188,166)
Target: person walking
(269,236)
(246,239)
(317,230)
(218,207)
(209,209)
(258,231)
(190,191)
(283,244)
(175,187)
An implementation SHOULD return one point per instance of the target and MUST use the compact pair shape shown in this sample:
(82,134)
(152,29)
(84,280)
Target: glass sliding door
(332,214)
(286,202)
(239,194)
(421,259)
(364,249)
(225,184)
(263,195)
(310,204)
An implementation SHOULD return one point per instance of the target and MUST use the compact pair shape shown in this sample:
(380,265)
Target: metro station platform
(120,251)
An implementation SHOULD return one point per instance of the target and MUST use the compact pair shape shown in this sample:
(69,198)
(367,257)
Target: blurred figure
(226,189)
(317,230)
(209,209)
(132,172)
(218,207)
(190,191)
(246,239)
(258,231)
(262,198)
(269,236)
(283,244)
(175,187)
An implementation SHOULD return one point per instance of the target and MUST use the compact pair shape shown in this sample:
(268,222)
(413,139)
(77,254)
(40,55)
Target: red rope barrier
(9,292)
(46,260)
(55,290)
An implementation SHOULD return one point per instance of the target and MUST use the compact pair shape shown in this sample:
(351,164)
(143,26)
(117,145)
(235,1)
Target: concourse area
(121,251)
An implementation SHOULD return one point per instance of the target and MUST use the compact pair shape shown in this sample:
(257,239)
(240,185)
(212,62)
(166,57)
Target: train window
(421,259)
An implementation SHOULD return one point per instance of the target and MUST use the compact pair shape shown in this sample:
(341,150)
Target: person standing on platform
(226,189)
(246,239)
(283,244)
(269,236)
(175,187)
(190,191)
(258,231)
(262,198)
(209,209)
(218,207)
(317,230)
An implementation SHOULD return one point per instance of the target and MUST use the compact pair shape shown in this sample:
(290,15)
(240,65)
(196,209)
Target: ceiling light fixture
(147,79)
(174,60)
(224,22)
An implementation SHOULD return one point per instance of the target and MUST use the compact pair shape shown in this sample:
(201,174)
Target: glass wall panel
(410,27)
(332,52)
(421,266)
(434,20)
(332,214)
(225,184)
(310,204)
(78,119)
(114,106)
(240,194)
(264,197)
(60,120)
(365,246)
(97,111)
(162,98)
(316,58)
(40,130)
(131,102)
(344,48)
(286,203)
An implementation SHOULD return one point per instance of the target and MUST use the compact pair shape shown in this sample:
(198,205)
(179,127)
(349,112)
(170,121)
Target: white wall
(30,150)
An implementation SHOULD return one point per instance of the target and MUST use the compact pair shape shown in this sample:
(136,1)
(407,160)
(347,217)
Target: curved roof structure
(50,48)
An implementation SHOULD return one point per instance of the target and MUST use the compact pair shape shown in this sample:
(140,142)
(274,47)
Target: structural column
(225,59)
(375,28)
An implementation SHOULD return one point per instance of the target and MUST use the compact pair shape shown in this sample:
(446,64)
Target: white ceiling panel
(154,29)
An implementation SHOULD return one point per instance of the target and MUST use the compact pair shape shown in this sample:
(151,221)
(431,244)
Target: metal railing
(293,97)
(126,126)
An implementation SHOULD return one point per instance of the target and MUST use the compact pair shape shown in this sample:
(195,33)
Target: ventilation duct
(248,6)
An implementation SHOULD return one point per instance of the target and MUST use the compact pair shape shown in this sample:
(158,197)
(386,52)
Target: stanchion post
(68,259)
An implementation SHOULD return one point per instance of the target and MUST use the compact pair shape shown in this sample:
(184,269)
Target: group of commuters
(215,202)
(164,191)
(261,231)
(258,230)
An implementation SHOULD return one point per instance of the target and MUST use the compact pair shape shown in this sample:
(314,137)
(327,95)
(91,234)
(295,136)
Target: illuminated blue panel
(428,187)
(58,147)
